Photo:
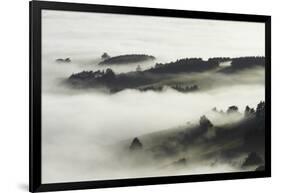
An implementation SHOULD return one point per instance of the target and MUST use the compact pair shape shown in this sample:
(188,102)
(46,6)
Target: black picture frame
(35,184)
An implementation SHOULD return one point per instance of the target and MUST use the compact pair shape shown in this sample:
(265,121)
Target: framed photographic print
(126,96)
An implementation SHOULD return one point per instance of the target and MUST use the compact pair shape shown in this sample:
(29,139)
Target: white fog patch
(225,64)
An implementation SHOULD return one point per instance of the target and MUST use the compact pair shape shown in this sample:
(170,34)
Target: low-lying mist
(80,130)
(85,132)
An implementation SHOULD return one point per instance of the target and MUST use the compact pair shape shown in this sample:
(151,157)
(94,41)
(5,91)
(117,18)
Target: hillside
(223,143)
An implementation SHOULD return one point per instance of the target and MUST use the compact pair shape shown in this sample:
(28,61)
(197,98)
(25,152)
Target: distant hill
(225,142)
(129,58)
(136,79)
(161,75)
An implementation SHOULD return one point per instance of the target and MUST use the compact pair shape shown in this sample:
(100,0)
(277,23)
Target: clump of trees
(108,73)
(154,88)
(232,109)
(246,62)
(184,88)
(136,144)
(205,122)
(219,59)
(66,60)
(105,56)
(184,65)
(260,112)
(249,112)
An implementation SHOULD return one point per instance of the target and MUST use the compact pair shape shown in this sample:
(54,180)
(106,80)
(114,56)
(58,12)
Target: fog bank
(80,131)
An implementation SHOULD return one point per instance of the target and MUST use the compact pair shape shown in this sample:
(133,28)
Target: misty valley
(128,96)
(218,140)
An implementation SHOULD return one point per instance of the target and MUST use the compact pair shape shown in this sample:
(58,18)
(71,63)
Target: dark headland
(125,59)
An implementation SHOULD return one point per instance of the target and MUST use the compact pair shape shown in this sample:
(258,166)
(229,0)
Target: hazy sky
(160,36)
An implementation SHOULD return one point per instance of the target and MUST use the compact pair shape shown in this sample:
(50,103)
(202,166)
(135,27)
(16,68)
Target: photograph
(127,96)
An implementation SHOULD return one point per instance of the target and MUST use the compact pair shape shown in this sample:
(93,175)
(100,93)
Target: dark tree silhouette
(108,75)
(183,88)
(105,56)
(136,144)
(61,60)
(184,65)
(249,112)
(109,72)
(205,122)
(219,59)
(232,109)
(260,112)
